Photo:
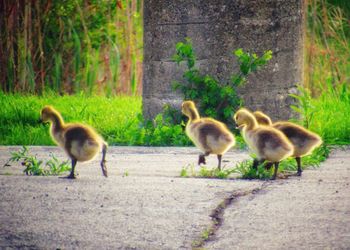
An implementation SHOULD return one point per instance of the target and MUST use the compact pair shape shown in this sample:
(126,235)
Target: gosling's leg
(276,169)
(298,159)
(201,158)
(257,162)
(219,162)
(268,165)
(72,175)
(103,161)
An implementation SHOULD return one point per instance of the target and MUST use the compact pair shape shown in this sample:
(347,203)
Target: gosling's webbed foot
(70,176)
(299,173)
(201,159)
(104,168)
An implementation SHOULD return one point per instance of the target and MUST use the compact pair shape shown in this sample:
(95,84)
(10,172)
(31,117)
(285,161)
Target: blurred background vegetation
(96,46)
(71,46)
(55,48)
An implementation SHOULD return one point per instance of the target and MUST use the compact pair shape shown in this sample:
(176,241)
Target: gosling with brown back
(209,135)
(80,142)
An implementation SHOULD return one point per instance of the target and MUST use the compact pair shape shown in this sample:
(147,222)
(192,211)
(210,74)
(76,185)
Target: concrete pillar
(217,27)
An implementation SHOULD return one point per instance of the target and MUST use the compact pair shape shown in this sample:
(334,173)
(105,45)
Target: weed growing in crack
(34,166)
(198,244)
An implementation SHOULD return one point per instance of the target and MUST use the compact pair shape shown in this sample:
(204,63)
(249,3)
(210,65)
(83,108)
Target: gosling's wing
(269,140)
(296,134)
(79,135)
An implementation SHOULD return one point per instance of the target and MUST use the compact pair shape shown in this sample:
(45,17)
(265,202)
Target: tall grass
(331,114)
(71,46)
(324,100)
(327,45)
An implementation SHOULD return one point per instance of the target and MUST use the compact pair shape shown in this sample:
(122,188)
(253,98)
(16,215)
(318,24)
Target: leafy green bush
(215,99)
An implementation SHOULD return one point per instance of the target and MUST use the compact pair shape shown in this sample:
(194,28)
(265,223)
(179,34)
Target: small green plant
(206,172)
(246,170)
(184,172)
(215,99)
(206,233)
(34,166)
(56,167)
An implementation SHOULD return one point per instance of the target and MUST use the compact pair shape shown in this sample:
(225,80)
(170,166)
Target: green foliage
(245,168)
(72,46)
(112,117)
(184,172)
(206,172)
(313,160)
(328,114)
(34,166)
(159,132)
(327,44)
(304,107)
(117,119)
(215,99)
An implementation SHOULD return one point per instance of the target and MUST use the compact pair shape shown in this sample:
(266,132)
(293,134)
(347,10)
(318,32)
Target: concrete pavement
(145,205)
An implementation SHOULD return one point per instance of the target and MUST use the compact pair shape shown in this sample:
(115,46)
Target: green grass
(329,114)
(113,117)
(118,119)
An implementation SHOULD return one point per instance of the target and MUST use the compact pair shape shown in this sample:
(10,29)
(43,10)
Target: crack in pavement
(217,214)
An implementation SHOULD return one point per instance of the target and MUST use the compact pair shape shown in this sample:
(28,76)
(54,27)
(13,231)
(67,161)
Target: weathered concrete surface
(152,208)
(136,161)
(312,212)
(218,27)
(149,209)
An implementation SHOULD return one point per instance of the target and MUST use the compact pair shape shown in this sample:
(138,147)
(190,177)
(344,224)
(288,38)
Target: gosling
(209,135)
(268,143)
(80,142)
(303,140)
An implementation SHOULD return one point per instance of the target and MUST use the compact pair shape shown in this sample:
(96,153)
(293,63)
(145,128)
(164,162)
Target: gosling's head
(243,117)
(262,118)
(188,108)
(48,113)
